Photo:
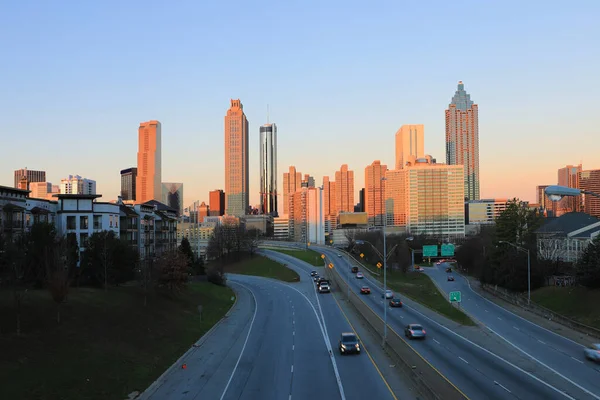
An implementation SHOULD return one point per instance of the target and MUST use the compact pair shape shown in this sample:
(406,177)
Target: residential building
(569,177)
(566,237)
(268,169)
(18,212)
(24,177)
(198,236)
(149,162)
(128,183)
(374,192)
(484,211)
(462,139)
(395,197)
(589,180)
(410,141)
(344,189)
(172,195)
(216,200)
(307,221)
(75,184)
(329,204)
(236,160)
(43,190)
(308,181)
(292,182)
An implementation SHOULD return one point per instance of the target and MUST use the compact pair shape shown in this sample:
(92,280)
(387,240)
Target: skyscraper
(590,181)
(236,161)
(569,177)
(292,182)
(344,189)
(375,192)
(172,195)
(268,169)
(24,176)
(128,183)
(462,139)
(409,142)
(149,164)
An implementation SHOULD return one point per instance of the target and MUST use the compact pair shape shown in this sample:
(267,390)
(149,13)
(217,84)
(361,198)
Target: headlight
(357,346)
(344,346)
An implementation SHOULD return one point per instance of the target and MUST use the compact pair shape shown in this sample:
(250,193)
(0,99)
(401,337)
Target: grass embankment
(107,344)
(578,303)
(419,287)
(309,256)
(263,266)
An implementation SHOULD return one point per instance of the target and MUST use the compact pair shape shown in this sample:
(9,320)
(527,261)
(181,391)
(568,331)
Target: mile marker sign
(455,297)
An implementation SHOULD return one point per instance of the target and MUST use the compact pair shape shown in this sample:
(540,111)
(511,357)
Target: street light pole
(384,213)
(528,267)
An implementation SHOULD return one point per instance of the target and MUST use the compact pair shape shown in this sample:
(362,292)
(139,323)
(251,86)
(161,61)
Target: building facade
(216,201)
(589,180)
(462,139)
(236,161)
(149,162)
(43,190)
(307,220)
(410,141)
(268,169)
(374,192)
(344,189)
(172,195)
(484,211)
(75,184)
(24,177)
(395,197)
(292,182)
(128,183)
(569,177)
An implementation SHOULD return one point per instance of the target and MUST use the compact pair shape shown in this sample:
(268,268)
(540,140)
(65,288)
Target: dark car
(448,269)
(354,270)
(316,278)
(450,278)
(349,343)
(314,273)
(414,331)
(396,303)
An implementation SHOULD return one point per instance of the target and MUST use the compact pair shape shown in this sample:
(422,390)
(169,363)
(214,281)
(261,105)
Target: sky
(339,77)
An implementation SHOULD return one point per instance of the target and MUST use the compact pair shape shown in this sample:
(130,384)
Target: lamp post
(384,214)
(412,252)
(528,267)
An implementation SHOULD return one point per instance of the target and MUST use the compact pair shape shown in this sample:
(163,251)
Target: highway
(475,370)
(549,349)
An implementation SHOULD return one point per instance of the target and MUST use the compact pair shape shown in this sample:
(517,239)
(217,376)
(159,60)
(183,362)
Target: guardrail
(521,301)
(429,381)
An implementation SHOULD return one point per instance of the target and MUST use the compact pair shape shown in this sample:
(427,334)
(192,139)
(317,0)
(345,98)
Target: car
(314,273)
(419,268)
(359,275)
(321,280)
(396,303)
(593,352)
(349,343)
(339,255)
(324,288)
(414,331)
(450,278)
(438,263)
(354,270)
(388,294)
(365,290)
(316,278)
(448,269)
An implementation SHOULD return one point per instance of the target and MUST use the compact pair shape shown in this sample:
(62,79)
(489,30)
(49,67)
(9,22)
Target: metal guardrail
(429,381)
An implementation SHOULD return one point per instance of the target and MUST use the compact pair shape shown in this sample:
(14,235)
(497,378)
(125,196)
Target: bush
(216,276)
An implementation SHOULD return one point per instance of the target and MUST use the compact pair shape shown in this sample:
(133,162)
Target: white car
(593,352)
(388,294)
(359,275)
(324,288)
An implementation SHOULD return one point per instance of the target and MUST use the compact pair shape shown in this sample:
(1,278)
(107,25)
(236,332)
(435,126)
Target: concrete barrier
(429,381)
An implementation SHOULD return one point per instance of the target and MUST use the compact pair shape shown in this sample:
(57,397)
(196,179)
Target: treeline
(491,258)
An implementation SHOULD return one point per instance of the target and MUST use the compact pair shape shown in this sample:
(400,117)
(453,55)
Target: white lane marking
(503,387)
(436,341)
(499,318)
(294,333)
(502,359)
(579,361)
(541,341)
(517,328)
(290,398)
(486,310)
(245,341)
(466,362)
(293,347)
(545,365)
(292,369)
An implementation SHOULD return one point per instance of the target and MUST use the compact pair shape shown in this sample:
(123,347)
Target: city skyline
(513,81)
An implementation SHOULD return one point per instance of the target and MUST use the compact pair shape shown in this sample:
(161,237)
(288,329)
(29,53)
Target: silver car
(414,331)
(593,352)
(388,294)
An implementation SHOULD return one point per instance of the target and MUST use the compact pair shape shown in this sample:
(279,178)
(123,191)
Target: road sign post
(455,297)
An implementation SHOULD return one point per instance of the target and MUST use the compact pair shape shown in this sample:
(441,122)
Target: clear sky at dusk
(340,78)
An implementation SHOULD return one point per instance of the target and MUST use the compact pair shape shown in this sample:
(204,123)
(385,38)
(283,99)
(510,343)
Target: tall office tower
(128,183)
(395,196)
(292,182)
(216,201)
(462,139)
(374,192)
(236,161)
(268,169)
(149,163)
(308,181)
(361,201)
(569,177)
(172,195)
(24,176)
(590,181)
(344,189)
(409,142)
(329,204)
(75,184)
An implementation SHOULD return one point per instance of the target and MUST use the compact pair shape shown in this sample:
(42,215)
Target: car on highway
(321,280)
(388,294)
(324,288)
(448,269)
(354,270)
(314,273)
(349,343)
(414,331)
(450,278)
(339,255)
(593,352)
(365,290)
(316,278)
(396,303)
(438,263)
(418,268)
(359,275)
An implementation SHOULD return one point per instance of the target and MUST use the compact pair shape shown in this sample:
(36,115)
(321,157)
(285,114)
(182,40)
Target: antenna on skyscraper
(267,113)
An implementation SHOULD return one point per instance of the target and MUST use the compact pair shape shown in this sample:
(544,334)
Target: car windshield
(348,339)
(416,327)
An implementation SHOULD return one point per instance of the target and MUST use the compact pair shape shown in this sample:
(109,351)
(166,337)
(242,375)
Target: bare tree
(252,240)
(17,265)
(551,247)
(172,271)
(59,281)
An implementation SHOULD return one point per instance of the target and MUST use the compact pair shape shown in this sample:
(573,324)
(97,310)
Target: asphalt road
(547,348)
(479,373)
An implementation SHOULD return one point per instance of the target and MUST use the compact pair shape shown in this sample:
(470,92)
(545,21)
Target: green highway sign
(430,251)
(448,250)
(455,297)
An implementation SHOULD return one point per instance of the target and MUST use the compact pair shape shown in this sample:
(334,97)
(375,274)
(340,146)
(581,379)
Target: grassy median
(309,256)
(578,303)
(263,266)
(107,344)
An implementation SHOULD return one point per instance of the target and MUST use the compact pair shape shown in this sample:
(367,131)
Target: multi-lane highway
(279,342)
(475,370)
(550,350)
